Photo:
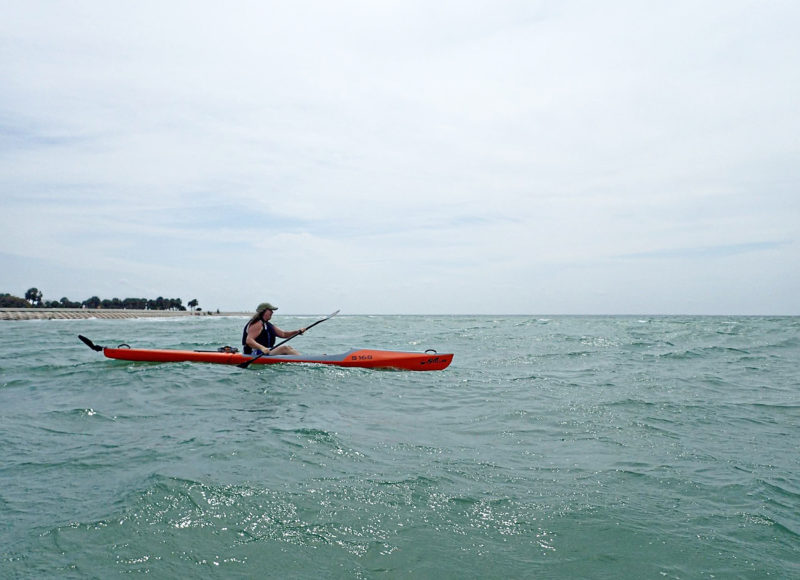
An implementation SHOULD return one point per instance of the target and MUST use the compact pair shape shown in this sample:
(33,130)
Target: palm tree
(34,296)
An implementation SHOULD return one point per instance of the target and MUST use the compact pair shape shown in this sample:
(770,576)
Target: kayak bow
(362,357)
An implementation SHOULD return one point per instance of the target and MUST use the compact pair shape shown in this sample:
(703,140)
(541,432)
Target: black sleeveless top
(267,337)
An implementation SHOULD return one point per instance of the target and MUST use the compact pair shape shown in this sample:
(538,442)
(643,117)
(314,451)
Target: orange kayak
(362,357)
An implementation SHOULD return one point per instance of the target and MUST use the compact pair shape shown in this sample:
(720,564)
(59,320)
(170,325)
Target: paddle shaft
(247,363)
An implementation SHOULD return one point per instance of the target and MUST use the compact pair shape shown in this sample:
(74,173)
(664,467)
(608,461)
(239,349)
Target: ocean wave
(583,447)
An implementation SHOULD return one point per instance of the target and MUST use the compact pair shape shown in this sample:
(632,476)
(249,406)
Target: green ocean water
(553,447)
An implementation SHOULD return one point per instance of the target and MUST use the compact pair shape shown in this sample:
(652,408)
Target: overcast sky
(530,157)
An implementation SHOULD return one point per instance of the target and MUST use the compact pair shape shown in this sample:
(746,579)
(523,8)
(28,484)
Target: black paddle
(247,363)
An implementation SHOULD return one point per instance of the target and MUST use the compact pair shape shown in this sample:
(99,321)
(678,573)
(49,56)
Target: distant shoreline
(83,313)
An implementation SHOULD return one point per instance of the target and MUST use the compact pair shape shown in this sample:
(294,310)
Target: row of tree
(34,299)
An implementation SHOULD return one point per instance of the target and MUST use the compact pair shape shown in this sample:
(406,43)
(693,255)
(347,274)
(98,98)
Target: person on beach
(259,333)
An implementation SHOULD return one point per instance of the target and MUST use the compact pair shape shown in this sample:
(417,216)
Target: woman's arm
(287,333)
(252,333)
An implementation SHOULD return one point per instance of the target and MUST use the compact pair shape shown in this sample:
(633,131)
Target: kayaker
(259,333)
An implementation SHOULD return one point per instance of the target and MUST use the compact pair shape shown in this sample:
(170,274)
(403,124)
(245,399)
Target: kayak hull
(362,358)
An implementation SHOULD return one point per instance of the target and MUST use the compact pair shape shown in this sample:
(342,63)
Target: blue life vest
(267,337)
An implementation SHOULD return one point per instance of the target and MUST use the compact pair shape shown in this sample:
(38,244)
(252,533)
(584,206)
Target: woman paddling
(259,333)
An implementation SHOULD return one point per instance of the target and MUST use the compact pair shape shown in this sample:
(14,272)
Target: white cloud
(403,156)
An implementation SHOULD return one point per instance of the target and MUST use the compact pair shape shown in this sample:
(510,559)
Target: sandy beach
(67,313)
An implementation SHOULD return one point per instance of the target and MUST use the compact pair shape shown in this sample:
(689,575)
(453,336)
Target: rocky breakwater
(67,313)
